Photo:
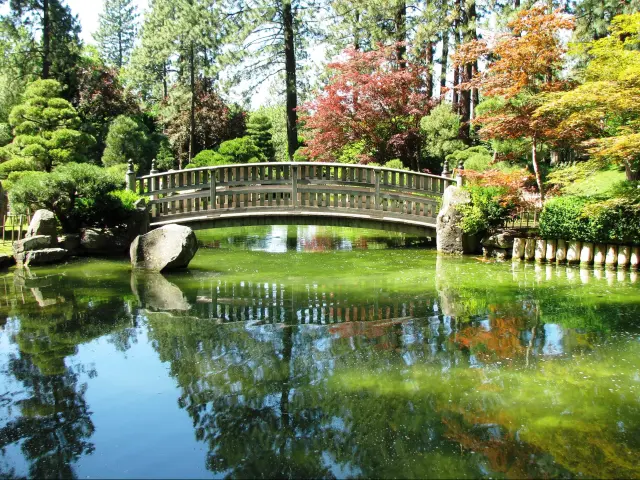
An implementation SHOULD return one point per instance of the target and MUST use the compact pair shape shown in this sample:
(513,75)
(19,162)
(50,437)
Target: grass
(600,183)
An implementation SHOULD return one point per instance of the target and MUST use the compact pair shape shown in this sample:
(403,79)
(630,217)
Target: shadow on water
(307,365)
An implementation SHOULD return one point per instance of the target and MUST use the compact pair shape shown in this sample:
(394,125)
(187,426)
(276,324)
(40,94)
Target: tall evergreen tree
(259,129)
(117,31)
(271,38)
(58,48)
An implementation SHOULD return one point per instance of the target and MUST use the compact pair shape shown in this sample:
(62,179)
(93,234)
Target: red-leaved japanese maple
(370,100)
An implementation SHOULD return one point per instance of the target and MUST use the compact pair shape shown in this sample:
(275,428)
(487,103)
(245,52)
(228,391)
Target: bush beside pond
(81,195)
(578,218)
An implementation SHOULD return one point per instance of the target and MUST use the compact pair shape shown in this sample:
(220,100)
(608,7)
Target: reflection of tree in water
(54,425)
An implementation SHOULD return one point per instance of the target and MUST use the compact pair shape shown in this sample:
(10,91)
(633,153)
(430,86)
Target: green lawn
(597,184)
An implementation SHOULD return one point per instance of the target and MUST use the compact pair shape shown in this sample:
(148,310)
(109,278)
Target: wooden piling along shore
(576,252)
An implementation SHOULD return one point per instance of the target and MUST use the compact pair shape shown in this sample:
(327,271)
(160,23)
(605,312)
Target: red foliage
(368,99)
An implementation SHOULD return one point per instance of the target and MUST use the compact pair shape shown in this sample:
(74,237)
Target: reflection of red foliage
(317,244)
(505,453)
(371,329)
(501,341)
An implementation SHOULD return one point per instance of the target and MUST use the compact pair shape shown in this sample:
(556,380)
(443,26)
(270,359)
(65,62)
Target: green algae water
(319,352)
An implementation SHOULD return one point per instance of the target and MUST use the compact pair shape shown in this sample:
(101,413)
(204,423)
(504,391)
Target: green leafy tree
(46,128)
(128,139)
(440,130)
(277,115)
(117,31)
(259,130)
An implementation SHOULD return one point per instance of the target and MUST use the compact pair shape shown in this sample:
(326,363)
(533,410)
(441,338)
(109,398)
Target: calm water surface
(318,352)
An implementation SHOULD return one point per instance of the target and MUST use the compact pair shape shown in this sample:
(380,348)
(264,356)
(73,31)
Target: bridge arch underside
(302,217)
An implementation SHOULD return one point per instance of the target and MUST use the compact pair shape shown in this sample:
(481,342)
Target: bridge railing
(299,185)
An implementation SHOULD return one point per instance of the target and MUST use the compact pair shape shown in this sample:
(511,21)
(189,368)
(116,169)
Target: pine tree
(117,31)
(259,129)
(57,48)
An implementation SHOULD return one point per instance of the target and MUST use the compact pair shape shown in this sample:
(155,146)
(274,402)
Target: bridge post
(459,173)
(377,198)
(131,176)
(294,185)
(212,190)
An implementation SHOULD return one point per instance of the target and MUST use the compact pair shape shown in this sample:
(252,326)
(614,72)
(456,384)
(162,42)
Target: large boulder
(41,257)
(95,241)
(168,247)
(71,243)
(449,235)
(43,223)
(32,243)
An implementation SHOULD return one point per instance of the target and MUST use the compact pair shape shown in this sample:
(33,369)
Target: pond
(319,352)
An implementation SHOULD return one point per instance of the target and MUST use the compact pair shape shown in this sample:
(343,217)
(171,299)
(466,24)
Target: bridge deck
(289,193)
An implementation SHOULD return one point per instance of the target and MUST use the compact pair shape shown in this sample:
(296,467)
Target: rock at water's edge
(43,223)
(41,257)
(449,235)
(168,247)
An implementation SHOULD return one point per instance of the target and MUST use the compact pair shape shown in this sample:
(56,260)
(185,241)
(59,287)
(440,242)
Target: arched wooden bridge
(294,193)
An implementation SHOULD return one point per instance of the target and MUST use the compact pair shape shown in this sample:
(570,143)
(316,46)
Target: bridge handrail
(311,164)
(281,186)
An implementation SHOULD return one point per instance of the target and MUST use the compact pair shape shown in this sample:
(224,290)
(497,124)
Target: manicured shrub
(395,163)
(81,195)
(562,217)
(259,130)
(576,218)
(208,158)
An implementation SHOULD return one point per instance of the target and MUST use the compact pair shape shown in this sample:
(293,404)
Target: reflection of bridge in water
(300,193)
(278,303)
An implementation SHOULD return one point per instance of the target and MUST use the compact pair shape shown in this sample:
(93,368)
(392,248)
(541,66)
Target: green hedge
(577,218)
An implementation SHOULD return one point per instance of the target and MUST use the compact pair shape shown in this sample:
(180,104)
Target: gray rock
(42,257)
(94,240)
(43,223)
(449,235)
(104,242)
(7,261)
(498,240)
(497,253)
(168,247)
(71,243)
(33,243)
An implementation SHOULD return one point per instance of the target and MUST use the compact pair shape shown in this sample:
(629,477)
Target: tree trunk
(400,22)
(456,81)
(356,31)
(46,40)
(165,87)
(192,112)
(120,54)
(633,174)
(468,26)
(292,88)
(444,60)
(536,168)
(428,83)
